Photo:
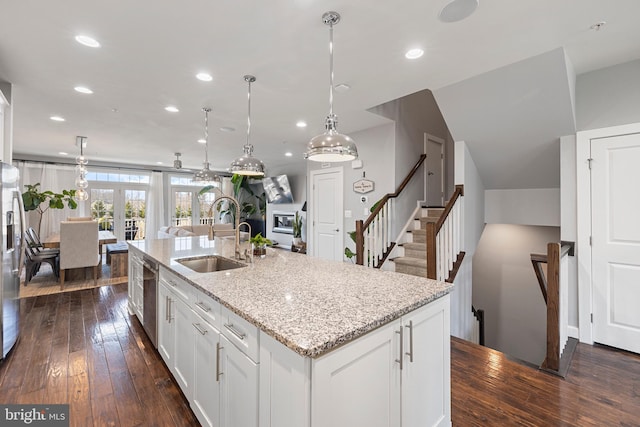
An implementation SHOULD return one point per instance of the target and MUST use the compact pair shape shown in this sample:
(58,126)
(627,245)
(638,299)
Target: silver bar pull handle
(199,328)
(170,310)
(410,353)
(166,308)
(203,307)
(218,373)
(234,331)
(401,348)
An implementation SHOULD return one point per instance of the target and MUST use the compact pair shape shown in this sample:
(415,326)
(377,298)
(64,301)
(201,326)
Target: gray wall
(415,115)
(608,97)
(505,286)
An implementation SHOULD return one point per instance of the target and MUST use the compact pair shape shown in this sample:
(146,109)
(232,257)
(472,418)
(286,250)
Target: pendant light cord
(248,111)
(331,69)
(206,134)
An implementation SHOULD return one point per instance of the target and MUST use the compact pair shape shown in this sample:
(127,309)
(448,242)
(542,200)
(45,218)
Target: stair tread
(414,262)
(418,231)
(428,218)
(414,245)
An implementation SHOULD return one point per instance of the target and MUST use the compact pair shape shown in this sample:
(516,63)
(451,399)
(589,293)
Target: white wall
(536,206)
(568,226)
(6,122)
(505,286)
(466,174)
(608,97)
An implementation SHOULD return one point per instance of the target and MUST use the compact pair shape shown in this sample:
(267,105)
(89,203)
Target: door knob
(336,230)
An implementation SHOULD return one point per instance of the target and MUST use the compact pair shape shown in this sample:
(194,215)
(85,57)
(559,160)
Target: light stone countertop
(308,304)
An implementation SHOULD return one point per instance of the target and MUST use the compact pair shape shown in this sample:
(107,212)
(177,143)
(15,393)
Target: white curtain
(54,178)
(155,210)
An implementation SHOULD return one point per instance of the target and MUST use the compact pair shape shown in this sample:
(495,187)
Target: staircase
(414,260)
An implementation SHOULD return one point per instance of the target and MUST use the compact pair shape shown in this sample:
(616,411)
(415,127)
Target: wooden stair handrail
(361,226)
(434,227)
(388,196)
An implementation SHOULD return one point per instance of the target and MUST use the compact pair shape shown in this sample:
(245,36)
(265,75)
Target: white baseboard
(573,332)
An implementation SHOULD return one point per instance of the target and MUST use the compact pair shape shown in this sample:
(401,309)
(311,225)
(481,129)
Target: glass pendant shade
(247,164)
(81,169)
(331,146)
(206,176)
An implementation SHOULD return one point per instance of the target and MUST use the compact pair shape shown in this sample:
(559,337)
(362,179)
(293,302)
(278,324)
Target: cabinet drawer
(206,307)
(177,285)
(241,333)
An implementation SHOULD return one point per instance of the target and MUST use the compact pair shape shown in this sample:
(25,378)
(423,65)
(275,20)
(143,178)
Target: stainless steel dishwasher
(150,296)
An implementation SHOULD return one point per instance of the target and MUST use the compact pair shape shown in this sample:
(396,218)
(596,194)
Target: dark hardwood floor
(602,388)
(83,348)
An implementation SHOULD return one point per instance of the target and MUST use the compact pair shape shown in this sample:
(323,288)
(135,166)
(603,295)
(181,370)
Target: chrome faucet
(237,225)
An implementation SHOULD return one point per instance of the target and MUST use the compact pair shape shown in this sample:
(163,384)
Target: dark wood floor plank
(489,389)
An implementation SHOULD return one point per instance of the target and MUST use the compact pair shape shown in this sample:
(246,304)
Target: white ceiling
(152,50)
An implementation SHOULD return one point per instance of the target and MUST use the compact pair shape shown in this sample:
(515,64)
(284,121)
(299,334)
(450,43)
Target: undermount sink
(210,263)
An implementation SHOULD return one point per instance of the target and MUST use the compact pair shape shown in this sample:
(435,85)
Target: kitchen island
(291,340)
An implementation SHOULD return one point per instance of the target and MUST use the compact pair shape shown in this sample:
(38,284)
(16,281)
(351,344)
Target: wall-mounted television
(277,189)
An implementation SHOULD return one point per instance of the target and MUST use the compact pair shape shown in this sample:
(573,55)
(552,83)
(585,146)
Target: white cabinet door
(359,384)
(238,387)
(183,360)
(136,286)
(205,386)
(426,384)
(166,329)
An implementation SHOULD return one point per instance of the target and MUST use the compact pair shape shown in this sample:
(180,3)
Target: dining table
(104,237)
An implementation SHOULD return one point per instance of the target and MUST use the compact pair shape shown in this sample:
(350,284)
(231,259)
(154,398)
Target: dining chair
(34,240)
(34,258)
(79,247)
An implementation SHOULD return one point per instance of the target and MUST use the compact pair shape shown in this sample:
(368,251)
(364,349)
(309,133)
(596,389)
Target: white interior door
(434,170)
(616,241)
(327,223)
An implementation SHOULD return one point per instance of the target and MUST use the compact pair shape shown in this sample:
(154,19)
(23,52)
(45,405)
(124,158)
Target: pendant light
(247,164)
(206,176)
(331,146)
(81,169)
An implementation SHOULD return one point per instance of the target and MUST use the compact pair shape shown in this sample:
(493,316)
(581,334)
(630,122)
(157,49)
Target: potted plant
(259,244)
(297,230)
(33,200)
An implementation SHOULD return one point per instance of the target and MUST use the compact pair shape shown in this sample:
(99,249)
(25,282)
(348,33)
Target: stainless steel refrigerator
(12,225)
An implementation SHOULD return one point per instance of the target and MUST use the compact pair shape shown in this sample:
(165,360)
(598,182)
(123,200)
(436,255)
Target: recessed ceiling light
(202,141)
(87,41)
(57,118)
(301,124)
(171,109)
(414,53)
(62,153)
(598,25)
(158,163)
(342,87)
(227,129)
(457,10)
(83,89)
(204,77)
(288,154)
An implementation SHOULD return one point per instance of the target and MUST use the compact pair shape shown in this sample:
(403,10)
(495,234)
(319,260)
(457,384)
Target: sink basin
(210,263)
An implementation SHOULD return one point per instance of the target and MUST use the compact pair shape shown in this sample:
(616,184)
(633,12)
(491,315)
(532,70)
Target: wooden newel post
(431,250)
(359,242)
(553,306)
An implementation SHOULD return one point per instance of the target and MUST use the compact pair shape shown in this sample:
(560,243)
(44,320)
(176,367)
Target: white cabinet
(359,384)
(135,285)
(426,379)
(397,375)
(205,399)
(183,362)
(166,325)
(238,387)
